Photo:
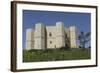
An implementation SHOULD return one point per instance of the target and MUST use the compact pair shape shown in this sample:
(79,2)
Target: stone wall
(39,36)
(72,30)
(29,39)
(51,37)
(60,35)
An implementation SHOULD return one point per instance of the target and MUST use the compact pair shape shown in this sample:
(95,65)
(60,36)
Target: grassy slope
(55,55)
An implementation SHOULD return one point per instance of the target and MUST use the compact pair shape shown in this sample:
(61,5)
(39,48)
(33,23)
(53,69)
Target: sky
(82,21)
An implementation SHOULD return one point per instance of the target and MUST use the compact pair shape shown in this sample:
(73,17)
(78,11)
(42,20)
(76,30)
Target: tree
(83,38)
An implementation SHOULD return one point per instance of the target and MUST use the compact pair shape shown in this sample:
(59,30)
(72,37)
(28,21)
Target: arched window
(50,34)
(50,42)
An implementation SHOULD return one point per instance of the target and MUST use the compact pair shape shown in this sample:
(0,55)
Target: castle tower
(29,39)
(60,35)
(72,31)
(39,36)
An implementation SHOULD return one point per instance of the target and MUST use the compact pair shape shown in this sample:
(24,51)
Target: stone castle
(50,37)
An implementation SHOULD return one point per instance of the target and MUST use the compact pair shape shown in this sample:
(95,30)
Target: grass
(55,55)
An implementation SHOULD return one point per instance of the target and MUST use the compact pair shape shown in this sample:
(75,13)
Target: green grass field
(55,55)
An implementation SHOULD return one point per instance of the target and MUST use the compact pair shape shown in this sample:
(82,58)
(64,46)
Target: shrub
(64,48)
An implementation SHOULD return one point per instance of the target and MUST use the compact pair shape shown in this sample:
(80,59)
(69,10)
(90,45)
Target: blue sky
(81,20)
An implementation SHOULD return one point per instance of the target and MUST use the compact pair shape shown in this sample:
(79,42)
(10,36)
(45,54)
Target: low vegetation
(56,55)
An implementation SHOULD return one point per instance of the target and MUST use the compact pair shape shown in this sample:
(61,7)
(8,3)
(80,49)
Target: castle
(50,37)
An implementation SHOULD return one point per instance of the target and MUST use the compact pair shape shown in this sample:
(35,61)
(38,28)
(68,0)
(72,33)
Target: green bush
(55,55)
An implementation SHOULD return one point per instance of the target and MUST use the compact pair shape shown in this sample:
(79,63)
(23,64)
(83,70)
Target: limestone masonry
(50,37)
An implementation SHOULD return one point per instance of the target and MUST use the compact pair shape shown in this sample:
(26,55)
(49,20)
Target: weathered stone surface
(43,37)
